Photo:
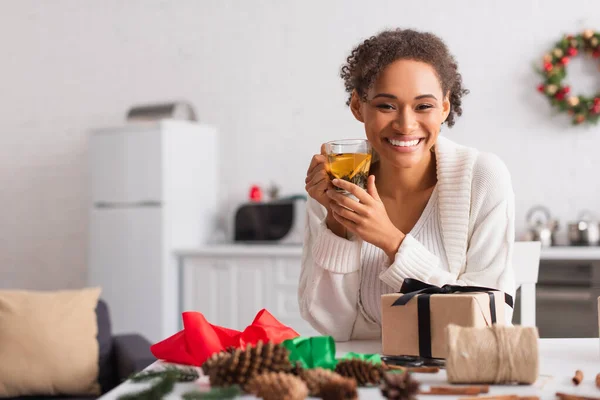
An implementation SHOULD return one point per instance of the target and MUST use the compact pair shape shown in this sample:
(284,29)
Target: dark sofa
(120,356)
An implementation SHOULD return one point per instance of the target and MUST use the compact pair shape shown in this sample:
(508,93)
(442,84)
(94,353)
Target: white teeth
(402,143)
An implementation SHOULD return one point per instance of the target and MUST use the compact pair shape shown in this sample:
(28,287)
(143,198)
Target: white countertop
(242,250)
(557,253)
(559,359)
(571,253)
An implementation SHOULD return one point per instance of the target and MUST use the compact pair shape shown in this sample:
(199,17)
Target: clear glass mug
(350,160)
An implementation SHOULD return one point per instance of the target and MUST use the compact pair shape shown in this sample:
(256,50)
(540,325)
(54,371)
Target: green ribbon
(319,352)
(312,352)
(372,358)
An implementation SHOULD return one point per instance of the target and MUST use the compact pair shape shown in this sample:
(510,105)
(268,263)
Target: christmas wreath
(581,108)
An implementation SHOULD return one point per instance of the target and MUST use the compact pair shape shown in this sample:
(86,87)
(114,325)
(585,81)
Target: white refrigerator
(153,190)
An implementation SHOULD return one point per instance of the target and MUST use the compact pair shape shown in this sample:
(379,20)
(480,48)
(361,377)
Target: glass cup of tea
(350,160)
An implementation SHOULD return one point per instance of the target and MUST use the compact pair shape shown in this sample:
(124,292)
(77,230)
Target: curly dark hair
(370,57)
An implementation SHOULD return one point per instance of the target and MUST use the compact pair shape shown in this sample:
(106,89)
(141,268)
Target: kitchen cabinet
(229,284)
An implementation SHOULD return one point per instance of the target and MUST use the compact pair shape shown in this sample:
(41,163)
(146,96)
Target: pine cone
(339,388)
(364,372)
(239,367)
(399,386)
(230,349)
(277,386)
(315,379)
(297,369)
(215,359)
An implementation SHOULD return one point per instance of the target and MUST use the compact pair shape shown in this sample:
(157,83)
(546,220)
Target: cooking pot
(541,226)
(585,231)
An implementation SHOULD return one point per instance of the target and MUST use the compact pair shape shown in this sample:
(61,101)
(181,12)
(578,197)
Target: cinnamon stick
(565,396)
(578,377)
(598,381)
(457,390)
(392,366)
(498,397)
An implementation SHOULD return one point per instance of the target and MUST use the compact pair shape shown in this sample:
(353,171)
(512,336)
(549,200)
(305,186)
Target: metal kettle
(585,231)
(541,226)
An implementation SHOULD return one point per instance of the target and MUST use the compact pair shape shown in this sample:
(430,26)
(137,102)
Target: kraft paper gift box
(414,321)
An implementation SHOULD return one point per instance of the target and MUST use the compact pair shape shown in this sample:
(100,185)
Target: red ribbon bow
(199,339)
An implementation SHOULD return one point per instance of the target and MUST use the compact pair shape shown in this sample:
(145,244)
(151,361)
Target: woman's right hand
(317,179)
(317,184)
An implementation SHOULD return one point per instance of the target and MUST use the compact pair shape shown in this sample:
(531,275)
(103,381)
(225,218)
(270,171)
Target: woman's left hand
(367,219)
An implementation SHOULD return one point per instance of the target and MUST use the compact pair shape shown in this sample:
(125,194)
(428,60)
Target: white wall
(266,73)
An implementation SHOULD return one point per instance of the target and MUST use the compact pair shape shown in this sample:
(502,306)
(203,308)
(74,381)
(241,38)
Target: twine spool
(496,354)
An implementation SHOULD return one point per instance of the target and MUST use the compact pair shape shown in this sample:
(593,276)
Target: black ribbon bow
(414,287)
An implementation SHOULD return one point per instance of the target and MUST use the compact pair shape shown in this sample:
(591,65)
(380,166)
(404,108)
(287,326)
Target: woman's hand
(317,179)
(318,184)
(367,219)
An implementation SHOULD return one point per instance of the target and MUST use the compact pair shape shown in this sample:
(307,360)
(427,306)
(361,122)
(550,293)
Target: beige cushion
(48,342)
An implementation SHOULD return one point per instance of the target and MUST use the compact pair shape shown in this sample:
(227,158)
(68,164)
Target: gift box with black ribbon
(414,321)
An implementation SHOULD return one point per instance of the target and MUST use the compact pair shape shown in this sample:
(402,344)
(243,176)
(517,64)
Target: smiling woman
(440,212)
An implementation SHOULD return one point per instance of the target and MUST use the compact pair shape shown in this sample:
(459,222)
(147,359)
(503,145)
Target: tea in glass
(349,160)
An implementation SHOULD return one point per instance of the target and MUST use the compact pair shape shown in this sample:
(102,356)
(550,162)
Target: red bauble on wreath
(581,108)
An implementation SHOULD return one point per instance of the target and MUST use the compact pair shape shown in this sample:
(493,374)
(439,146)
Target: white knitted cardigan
(476,206)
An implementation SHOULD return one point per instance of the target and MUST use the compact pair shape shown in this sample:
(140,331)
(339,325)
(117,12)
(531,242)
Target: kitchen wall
(266,73)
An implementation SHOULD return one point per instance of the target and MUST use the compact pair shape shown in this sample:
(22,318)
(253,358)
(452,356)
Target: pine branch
(147,375)
(228,392)
(180,374)
(165,381)
(157,391)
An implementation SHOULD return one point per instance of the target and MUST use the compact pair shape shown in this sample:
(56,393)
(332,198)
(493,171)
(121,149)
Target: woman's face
(403,112)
